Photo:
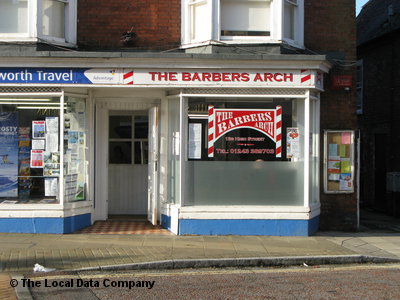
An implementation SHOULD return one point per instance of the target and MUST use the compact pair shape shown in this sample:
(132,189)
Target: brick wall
(380,119)
(101,23)
(330,29)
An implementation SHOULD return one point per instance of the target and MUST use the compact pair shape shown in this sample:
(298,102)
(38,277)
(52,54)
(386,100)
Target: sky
(359,4)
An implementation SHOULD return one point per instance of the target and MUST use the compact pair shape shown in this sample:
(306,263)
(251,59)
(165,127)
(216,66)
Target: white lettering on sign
(53,76)
(19,76)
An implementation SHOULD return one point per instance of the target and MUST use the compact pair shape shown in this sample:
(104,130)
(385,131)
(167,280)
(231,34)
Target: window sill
(15,39)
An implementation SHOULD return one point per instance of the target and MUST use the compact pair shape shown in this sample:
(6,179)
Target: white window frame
(214,18)
(35,31)
(298,30)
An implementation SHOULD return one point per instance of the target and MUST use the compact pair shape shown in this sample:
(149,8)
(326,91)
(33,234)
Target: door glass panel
(141,127)
(120,127)
(120,153)
(141,152)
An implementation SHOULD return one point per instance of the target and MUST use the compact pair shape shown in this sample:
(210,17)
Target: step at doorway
(124,224)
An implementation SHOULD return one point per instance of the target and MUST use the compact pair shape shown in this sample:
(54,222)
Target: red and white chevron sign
(222,121)
(128,77)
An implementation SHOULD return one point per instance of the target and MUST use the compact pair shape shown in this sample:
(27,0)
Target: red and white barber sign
(266,121)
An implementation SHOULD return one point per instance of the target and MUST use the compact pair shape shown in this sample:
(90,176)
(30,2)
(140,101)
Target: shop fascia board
(169,61)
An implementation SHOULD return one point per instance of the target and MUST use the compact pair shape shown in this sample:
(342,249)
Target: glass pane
(245,183)
(75,164)
(339,166)
(53,18)
(13,16)
(29,150)
(245,17)
(120,153)
(120,127)
(141,152)
(173,151)
(199,27)
(141,127)
(289,15)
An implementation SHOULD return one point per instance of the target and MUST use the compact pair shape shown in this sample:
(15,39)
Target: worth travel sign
(164,77)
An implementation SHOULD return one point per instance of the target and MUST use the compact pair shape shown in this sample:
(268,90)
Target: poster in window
(51,187)
(9,154)
(37,157)
(52,125)
(345,182)
(194,146)
(38,144)
(292,142)
(38,129)
(244,134)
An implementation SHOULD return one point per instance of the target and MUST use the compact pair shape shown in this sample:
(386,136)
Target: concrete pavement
(19,252)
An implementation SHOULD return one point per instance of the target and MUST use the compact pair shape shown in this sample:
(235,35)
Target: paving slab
(6,291)
(19,252)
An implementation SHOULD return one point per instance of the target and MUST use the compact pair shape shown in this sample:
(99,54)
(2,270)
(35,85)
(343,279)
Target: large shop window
(31,142)
(245,152)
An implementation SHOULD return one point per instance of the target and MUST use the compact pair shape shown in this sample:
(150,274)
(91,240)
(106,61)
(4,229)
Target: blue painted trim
(166,221)
(75,223)
(45,225)
(313,225)
(249,227)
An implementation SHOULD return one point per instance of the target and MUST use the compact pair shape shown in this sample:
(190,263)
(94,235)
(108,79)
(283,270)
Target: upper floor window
(53,21)
(243,21)
(14,16)
(245,18)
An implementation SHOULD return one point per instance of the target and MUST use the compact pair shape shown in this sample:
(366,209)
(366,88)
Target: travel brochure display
(339,162)
(24,145)
(9,154)
(30,157)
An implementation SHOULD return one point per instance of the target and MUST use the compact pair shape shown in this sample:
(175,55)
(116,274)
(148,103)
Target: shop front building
(219,123)
(227,149)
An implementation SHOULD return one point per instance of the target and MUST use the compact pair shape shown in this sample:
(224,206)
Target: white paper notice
(50,187)
(52,142)
(37,158)
(194,141)
(37,144)
(293,142)
(52,124)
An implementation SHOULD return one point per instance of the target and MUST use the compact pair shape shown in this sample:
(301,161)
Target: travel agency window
(245,152)
(243,21)
(42,159)
(52,21)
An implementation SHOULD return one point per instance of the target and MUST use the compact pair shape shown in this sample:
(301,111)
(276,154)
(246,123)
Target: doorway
(128,163)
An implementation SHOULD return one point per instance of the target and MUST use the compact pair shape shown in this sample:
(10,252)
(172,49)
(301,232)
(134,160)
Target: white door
(153,166)
(127,163)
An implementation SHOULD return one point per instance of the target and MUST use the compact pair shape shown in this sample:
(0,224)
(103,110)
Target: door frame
(102,112)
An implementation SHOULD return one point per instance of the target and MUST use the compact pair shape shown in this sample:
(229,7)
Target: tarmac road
(312,282)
